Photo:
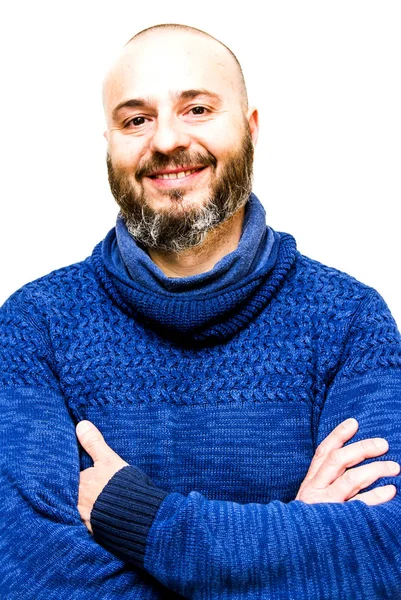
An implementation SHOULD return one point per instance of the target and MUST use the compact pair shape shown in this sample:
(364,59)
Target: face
(180,143)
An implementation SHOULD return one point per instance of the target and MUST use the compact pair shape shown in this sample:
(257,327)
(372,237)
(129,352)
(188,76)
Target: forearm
(199,547)
(279,550)
(45,550)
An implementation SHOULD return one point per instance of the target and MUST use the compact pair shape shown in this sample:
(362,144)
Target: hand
(93,480)
(330,478)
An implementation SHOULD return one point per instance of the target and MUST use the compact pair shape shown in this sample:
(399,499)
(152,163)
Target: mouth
(179,173)
(182,177)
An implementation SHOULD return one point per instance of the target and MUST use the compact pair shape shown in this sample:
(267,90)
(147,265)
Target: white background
(324,74)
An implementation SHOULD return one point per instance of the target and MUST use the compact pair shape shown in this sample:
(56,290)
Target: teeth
(178,175)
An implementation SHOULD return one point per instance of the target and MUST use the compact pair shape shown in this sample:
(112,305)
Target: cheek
(124,151)
(222,139)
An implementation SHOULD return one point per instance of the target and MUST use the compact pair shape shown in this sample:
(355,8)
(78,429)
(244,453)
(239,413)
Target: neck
(218,243)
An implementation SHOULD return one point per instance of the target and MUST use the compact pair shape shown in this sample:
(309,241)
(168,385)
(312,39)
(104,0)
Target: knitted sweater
(218,400)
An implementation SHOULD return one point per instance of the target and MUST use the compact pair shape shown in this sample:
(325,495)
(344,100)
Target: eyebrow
(133,103)
(191,94)
(185,95)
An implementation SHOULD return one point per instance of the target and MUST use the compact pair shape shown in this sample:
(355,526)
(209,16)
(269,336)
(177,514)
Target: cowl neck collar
(209,307)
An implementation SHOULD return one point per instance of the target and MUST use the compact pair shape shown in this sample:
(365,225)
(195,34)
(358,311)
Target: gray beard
(181,228)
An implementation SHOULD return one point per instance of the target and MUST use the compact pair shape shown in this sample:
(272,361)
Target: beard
(183,226)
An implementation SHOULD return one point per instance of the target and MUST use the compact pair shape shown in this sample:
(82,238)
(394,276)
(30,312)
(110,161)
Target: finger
(340,459)
(359,478)
(93,442)
(85,514)
(377,496)
(85,518)
(336,439)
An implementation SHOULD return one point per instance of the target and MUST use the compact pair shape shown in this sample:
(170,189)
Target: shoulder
(343,303)
(326,301)
(316,271)
(327,287)
(58,290)
(347,321)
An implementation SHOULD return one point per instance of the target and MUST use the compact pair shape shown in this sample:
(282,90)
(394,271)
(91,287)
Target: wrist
(124,512)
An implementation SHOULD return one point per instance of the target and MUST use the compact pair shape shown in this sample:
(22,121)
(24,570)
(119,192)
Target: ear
(252,117)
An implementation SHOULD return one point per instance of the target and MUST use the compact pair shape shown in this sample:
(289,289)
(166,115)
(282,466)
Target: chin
(179,200)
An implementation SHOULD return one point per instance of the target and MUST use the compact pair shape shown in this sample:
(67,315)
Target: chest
(233,422)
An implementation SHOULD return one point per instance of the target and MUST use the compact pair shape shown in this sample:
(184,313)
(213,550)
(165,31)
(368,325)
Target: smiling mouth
(176,174)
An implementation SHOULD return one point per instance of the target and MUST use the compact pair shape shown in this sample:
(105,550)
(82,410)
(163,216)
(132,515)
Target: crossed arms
(332,477)
(46,552)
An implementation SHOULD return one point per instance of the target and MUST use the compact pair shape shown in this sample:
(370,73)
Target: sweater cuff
(123,514)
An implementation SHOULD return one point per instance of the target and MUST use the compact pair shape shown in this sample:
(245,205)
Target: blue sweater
(217,396)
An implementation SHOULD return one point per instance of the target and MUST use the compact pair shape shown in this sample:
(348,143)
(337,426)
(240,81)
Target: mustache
(179,159)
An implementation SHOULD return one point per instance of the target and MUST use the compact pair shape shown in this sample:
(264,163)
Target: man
(226,372)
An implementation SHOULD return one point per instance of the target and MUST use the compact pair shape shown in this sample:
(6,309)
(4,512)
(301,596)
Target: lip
(188,180)
(177,170)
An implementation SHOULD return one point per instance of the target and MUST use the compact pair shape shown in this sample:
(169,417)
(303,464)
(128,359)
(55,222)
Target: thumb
(93,442)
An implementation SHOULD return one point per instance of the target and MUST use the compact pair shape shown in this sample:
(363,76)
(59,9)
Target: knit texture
(134,489)
(253,255)
(223,413)
(196,309)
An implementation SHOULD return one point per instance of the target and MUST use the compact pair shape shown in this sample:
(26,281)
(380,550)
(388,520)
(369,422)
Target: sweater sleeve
(203,548)
(46,551)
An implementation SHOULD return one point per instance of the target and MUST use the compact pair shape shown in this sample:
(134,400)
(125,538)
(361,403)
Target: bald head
(179,50)
(175,29)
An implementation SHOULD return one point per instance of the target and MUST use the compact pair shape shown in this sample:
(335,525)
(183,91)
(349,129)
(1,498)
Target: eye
(198,110)
(136,121)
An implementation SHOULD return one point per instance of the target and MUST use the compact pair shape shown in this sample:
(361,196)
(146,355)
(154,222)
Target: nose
(169,136)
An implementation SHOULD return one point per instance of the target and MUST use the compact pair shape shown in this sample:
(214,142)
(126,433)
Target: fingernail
(394,467)
(350,423)
(83,427)
(380,443)
(386,490)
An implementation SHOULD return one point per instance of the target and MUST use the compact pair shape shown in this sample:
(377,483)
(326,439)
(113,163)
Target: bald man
(237,404)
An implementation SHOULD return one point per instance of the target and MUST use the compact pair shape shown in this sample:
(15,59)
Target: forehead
(160,65)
